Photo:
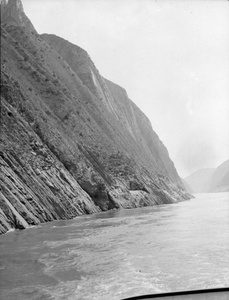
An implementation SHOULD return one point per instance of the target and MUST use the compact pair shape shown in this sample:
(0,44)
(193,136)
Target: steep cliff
(124,111)
(12,13)
(72,142)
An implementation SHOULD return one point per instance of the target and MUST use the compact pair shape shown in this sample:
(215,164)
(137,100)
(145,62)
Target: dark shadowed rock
(72,142)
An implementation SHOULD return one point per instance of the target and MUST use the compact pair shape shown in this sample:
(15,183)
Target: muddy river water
(120,253)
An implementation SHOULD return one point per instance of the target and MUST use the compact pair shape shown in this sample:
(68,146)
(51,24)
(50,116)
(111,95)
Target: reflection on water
(120,253)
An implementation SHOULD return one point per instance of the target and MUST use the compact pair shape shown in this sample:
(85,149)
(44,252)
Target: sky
(171,56)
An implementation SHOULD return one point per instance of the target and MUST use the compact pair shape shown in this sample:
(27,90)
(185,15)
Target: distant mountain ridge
(220,179)
(209,180)
(72,142)
(199,181)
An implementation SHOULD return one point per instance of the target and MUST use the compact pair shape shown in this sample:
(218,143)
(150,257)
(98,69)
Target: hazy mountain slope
(199,181)
(139,126)
(220,178)
(187,186)
(71,141)
(126,114)
(209,180)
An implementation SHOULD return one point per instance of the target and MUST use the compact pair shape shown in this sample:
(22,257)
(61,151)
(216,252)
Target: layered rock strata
(72,142)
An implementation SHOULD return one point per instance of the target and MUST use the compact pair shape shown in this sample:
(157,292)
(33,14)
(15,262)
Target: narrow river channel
(120,253)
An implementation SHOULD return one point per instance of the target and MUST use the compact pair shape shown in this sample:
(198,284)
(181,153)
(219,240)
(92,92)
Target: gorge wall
(72,142)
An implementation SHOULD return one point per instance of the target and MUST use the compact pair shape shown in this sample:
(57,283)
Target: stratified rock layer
(72,142)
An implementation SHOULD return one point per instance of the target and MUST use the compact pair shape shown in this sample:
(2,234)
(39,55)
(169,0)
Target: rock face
(12,13)
(72,142)
(210,180)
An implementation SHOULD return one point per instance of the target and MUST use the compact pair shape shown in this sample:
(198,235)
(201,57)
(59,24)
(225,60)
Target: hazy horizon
(170,56)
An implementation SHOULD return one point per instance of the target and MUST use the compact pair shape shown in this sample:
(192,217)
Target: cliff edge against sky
(72,142)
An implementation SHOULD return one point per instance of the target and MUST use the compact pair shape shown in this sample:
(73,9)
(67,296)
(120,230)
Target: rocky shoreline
(72,142)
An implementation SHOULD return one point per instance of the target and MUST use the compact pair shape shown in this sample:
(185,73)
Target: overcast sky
(172,57)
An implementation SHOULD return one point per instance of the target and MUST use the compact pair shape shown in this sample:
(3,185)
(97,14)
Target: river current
(120,253)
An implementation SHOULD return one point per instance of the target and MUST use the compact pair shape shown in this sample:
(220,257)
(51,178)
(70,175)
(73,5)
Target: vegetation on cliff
(72,142)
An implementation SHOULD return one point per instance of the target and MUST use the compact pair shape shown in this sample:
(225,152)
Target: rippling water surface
(119,254)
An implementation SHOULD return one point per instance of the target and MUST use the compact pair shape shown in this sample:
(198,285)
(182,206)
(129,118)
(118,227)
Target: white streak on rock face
(94,80)
(19,5)
(106,95)
(128,126)
(12,12)
(12,4)
(74,152)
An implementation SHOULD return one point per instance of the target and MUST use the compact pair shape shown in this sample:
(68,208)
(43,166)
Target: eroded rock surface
(72,142)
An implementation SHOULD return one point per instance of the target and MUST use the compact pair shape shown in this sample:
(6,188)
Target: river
(120,253)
